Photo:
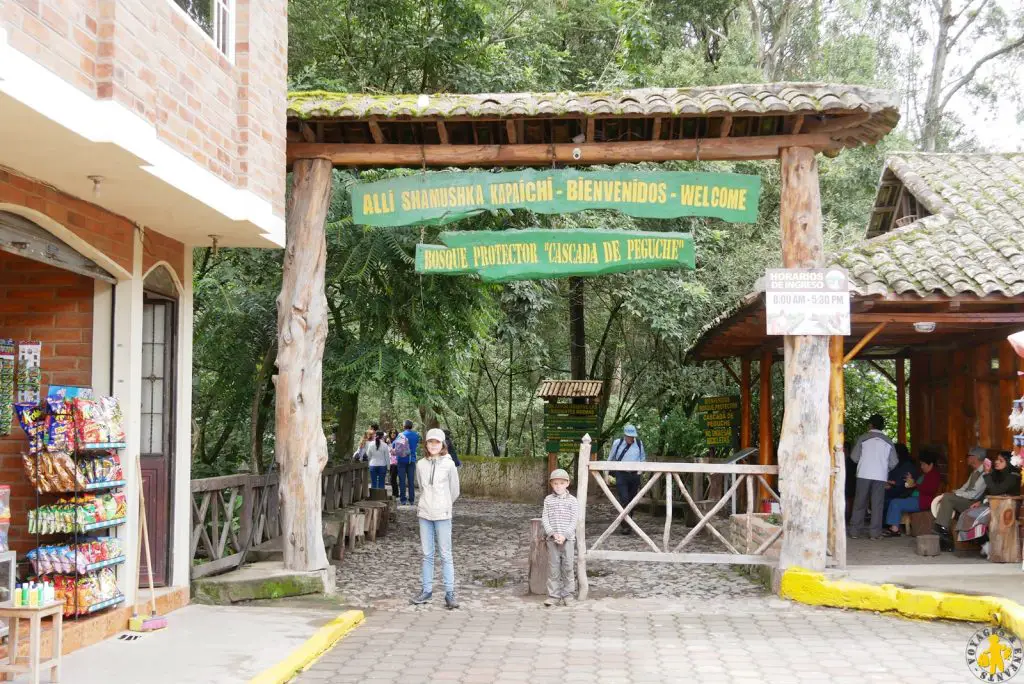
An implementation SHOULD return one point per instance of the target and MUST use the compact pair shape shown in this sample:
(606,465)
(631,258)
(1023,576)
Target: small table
(35,617)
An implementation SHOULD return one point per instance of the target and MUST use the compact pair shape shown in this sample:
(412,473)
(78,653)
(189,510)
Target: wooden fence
(671,477)
(230,511)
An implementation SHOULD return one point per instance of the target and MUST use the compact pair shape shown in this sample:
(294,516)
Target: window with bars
(157,374)
(216,18)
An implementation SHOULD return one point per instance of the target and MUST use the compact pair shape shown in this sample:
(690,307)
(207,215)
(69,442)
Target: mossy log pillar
(804,458)
(300,445)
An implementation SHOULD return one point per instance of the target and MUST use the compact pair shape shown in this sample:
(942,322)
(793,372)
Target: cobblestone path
(645,622)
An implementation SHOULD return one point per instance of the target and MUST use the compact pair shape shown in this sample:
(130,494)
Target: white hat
(559,474)
(435,433)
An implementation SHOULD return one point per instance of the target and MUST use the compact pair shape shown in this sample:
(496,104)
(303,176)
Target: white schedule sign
(807,301)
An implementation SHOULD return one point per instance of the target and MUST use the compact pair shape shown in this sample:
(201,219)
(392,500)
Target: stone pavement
(649,622)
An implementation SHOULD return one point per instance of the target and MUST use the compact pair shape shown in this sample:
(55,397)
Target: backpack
(623,448)
(400,447)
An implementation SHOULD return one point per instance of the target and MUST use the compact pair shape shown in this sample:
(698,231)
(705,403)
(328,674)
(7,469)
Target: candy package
(33,421)
(99,421)
(60,425)
(104,468)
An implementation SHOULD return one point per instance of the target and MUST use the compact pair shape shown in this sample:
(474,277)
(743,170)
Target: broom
(137,623)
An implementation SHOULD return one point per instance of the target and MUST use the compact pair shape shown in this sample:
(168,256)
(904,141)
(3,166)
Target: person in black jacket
(449,444)
(897,476)
(1001,479)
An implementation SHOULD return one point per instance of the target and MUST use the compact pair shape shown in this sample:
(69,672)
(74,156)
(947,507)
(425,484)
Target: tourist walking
(393,463)
(405,458)
(875,455)
(438,479)
(627,484)
(561,511)
(378,454)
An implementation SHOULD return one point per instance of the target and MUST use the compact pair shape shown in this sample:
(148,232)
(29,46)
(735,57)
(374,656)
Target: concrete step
(262,580)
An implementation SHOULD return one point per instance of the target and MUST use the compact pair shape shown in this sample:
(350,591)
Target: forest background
(469,355)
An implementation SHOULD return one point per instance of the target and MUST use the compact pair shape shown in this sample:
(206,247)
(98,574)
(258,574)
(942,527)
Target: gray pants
(561,568)
(875,489)
(949,504)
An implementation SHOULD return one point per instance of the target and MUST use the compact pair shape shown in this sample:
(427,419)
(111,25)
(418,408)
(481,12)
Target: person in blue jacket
(406,458)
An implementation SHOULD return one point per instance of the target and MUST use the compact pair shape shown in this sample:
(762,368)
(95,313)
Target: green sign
(719,420)
(565,425)
(437,198)
(535,253)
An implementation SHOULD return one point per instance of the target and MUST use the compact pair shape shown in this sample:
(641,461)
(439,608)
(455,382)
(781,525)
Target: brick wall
(157,247)
(153,59)
(43,303)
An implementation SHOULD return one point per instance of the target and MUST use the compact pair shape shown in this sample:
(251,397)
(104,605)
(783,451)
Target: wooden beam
(941,317)
(765,455)
(726,126)
(745,407)
(730,371)
(836,439)
(378,135)
(711,149)
(510,130)
(834,124)
(705,558)
(300,446)
(306,132)
(798,123)
(804,462)
(590,130)
(655,129)
(442,132)
(863,341)
(901,401)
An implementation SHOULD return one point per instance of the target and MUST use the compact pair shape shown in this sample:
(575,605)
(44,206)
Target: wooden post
(582,479)
(301,448)
(538,567)
(803,445)
(745,407)
(765,438)
(901,401)
(836,438)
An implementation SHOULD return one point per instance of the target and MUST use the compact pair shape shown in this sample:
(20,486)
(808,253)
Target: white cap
(436,433)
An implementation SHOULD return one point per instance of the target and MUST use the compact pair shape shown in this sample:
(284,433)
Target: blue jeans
(441,530)
(377,475)
(897,507)
(407,482)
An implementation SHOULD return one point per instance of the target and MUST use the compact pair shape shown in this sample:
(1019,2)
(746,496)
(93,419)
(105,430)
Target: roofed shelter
(939,282)
(789,121)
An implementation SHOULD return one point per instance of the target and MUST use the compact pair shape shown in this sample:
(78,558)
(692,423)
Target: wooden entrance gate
(670,477)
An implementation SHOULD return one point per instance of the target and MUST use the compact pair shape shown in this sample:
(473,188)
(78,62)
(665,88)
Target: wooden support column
(901,401)
(765,438)
(746,438)
(804,460)
(836,438)
(300,445)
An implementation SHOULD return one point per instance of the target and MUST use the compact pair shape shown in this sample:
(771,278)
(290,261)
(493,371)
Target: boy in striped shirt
(561,512)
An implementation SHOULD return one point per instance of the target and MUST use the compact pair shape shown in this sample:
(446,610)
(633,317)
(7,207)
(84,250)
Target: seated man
(960,500)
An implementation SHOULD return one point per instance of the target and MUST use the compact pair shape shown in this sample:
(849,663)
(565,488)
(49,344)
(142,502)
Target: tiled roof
(972,244)
(772,98)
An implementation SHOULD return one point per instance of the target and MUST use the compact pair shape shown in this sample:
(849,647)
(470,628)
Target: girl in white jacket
(438,482)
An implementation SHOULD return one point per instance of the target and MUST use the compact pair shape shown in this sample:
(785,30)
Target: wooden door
(157,438)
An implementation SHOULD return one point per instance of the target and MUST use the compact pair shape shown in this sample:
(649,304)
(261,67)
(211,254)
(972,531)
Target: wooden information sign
(720,420)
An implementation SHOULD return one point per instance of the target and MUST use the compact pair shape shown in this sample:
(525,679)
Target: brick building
(132,131)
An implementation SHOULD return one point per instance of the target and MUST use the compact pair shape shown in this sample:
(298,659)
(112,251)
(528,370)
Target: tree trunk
(345,432)
(577,330)
(932,118)
(255,433)
(300,445)
(803,446)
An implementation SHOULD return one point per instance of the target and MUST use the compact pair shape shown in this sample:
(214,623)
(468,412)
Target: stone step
(262,580)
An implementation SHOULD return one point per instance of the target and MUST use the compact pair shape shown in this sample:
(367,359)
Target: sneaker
(422,598)
(568,601)
(449,600)
(552,601)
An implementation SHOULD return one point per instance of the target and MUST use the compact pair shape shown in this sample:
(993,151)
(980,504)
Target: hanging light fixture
(924,326)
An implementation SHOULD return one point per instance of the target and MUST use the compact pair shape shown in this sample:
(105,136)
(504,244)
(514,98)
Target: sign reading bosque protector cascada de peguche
(536,253)
(437,198)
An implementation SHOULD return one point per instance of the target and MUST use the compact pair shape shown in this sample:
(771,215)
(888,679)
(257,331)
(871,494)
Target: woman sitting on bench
(923,490)
(1001,479)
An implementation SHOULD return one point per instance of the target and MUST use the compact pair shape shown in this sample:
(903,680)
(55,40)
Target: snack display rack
(75,462)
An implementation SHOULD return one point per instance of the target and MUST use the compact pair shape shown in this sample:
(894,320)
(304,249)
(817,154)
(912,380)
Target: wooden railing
(671,475)
(232,512)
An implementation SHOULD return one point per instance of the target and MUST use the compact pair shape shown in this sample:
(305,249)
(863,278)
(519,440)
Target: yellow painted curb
(308,653)
(812,588)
